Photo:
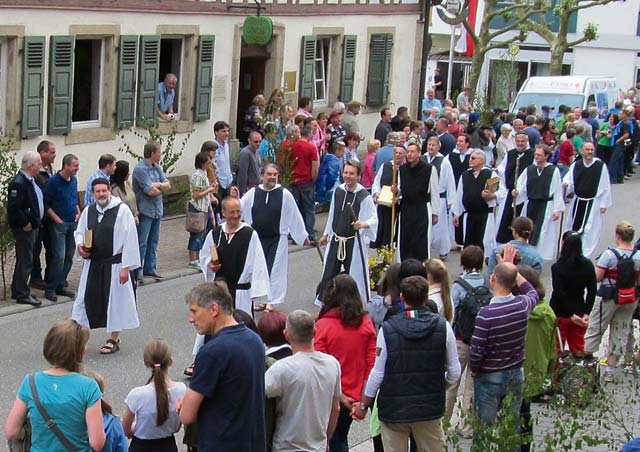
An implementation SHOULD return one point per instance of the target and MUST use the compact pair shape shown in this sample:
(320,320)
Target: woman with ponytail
(440,287)
(151,418)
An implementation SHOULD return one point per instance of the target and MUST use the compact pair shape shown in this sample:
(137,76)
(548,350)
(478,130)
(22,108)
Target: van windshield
(553,100)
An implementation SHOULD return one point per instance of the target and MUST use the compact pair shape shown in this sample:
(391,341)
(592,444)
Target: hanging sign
(257,30)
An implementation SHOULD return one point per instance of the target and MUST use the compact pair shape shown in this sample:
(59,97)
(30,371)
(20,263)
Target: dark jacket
(413,388)
(574,287)
(22,207)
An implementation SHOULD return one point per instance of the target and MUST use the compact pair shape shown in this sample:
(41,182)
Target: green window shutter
(307,67)
(127,81)
(205,78)
(148,76)
(61,53)
(32,86)
(379,64)
(348,67)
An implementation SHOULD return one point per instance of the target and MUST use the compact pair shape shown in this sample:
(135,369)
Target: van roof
(565,84)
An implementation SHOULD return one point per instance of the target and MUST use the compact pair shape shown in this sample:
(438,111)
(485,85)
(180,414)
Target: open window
(87,83)
(171,63)
(327,68)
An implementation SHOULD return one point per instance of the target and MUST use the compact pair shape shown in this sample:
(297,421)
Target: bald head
(505,275)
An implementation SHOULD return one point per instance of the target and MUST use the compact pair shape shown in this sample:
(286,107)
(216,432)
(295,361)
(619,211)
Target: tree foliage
(8,169)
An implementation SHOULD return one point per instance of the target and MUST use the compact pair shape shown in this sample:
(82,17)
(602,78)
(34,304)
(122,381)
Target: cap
(334,113)
(354,104)
(473,117)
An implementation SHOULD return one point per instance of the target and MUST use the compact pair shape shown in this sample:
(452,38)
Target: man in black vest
(351,225)
(416,360)
(25,208)
(474,204)
(271,211)
(511,167)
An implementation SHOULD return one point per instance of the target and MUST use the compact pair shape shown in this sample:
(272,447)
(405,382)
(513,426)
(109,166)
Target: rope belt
(341,254)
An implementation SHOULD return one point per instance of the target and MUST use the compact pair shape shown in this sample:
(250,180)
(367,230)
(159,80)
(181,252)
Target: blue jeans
(616,166)
(63,247)
(148,237)
(303,194)
(490,389)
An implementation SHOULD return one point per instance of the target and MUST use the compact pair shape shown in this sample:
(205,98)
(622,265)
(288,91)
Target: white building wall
(56,22)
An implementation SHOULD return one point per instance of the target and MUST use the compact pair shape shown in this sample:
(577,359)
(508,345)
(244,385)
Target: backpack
(467,310)
(625,286)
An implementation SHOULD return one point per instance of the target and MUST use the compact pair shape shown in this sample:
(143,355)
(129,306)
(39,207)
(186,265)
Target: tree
(516,16)
(557,40)
(8,169)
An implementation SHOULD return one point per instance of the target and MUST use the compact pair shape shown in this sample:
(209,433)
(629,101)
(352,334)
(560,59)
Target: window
(323,51)
(171,63)
(636,78)
(3,85)
(379,68)
(87,83)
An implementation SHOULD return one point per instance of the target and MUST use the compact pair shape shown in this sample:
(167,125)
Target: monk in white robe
(588,179)
(105,295)
(539,190)
(271,211)
(351,225)
(440,235)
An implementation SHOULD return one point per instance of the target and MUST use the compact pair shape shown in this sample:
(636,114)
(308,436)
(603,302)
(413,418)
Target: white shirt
(141,401)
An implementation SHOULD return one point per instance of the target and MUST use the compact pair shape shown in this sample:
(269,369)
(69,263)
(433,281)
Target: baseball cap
(334,113)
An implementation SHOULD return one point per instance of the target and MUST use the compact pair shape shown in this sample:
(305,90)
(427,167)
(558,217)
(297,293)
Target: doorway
(251,81)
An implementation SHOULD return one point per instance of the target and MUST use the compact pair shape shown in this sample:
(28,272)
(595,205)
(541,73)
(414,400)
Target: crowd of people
(497,192)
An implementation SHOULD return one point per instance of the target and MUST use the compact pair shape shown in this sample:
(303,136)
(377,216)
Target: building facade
(81,75)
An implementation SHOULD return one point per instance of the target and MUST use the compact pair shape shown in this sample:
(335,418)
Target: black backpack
(625,286)
(467,310)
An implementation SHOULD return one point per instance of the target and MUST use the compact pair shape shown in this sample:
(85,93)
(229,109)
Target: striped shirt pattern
(499,335)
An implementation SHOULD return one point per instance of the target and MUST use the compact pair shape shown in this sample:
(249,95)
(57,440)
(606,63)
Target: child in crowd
(269,144)
(368,175)
(440,287)
(116,439)
(471,260)
(151,418)
(329,173)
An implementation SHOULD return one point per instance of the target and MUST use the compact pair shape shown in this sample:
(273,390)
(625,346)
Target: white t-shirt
(609,262)
(141,401)
(305,386)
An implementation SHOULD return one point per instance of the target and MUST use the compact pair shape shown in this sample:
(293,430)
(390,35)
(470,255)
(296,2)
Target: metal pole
(426,48)
(452,44)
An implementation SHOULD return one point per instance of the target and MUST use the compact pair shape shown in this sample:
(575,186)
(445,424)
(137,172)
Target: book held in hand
(386,198)
(492,184)
(88,238)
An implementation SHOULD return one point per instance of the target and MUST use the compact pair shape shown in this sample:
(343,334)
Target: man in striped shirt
(497,345)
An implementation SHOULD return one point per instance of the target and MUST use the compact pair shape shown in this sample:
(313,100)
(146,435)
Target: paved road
(163,314)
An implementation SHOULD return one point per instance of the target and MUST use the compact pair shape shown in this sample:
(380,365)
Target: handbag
(23,442)
(195,222)
(50,423)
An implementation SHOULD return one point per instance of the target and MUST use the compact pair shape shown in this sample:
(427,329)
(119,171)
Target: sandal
(263,307)
(110,347)
(189,370)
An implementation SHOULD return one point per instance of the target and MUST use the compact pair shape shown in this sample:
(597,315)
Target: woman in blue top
(71,399)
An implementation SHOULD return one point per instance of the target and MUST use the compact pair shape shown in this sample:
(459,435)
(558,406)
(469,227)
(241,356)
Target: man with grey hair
(25,209)
(226,395)
(474,204)
(385,153)
(307,390)
(166,97)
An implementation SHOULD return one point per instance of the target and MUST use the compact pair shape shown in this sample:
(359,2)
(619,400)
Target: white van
(570,90)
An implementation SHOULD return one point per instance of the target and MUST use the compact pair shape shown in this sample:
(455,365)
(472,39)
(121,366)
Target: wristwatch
(363,406)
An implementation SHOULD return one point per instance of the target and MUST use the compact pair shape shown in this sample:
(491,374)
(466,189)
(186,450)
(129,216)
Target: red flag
(473,9)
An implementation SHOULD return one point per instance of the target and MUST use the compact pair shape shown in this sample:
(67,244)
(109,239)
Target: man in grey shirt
(307,390)
(250,164)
